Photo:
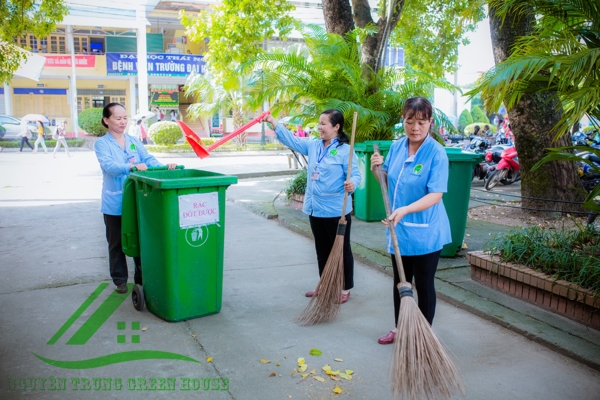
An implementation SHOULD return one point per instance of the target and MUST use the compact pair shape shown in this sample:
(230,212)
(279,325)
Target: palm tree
(230,98)
(327,73)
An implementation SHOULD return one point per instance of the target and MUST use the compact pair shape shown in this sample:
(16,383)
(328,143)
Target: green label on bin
(417,169)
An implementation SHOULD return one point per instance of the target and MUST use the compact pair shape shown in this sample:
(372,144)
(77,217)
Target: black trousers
(325,230)
(116,257)
(422,268)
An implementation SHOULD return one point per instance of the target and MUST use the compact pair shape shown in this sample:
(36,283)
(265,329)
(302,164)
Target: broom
(421,368)
(325,304)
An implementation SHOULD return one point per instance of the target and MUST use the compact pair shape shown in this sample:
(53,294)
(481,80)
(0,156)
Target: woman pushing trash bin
(118,154)
(416,174)
(326,183)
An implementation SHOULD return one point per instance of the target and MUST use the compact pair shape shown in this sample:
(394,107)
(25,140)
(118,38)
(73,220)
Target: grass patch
(227,147)
(569,254)
(15,144)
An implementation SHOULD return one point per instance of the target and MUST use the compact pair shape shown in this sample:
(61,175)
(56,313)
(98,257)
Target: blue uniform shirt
(115,164)
(324,197)
(409,179)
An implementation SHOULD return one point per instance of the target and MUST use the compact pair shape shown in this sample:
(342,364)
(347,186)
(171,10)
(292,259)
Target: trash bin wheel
(137,297)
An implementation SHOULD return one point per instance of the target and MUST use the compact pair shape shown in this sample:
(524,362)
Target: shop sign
(164,98)
(64,61)
(158,64)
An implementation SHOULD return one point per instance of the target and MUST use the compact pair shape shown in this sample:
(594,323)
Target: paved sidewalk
(54,257)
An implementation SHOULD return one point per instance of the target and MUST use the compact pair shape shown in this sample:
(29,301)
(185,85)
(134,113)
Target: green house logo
(333,152)
(417,169)
(124,333)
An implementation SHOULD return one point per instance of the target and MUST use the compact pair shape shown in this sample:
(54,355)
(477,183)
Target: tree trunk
(340,19)
(531,121)
(238,120)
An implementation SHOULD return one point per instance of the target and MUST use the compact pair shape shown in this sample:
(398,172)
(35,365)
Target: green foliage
(572,255)
(479,116)
(15,144)
(327,73)
(19,17)
(469,129)
(589,129)
(431,31)
(236,28)
(90,121)
(464,119)
(561,57)
(165,133)
(298,184)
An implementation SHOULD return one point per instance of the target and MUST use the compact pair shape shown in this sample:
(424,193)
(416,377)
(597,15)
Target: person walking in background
(25,135)
(143,134)
(173,115)
(327,182)
(118,154)
(416,172)
(40,137)
(60,138)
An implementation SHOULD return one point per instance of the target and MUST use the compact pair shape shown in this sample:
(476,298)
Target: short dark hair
(418,107)
(107,111)
(336,117)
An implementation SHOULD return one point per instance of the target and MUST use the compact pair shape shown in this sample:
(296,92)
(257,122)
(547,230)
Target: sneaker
(310,293)
(122,288)
(387,338)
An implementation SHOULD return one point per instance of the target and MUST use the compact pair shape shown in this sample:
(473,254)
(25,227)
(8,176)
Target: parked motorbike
(491,158)
(507,171)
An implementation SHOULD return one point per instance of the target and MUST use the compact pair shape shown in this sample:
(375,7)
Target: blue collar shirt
(115,164)
(409,179)
(323,197)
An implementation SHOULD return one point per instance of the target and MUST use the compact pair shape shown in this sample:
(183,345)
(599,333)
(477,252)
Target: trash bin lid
(367,146)
(457,154)
(183,178)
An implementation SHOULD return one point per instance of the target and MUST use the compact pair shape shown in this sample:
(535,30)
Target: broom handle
(388,211)
(343,219)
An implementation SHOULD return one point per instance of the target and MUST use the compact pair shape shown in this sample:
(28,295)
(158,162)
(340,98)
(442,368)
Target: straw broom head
(325,304)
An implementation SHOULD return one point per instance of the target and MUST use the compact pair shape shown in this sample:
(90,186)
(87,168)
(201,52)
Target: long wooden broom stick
(326,302)
(421,368)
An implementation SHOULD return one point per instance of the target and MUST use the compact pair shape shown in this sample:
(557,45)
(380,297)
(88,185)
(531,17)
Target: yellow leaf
(468,234)
(338,359)
(314,371)
(208,359)
(262,360)
(193,335)
(303,368)
(144,329)
(294,371)
(335,378)
(346,376)
(333,372)
(300,360)
(337,390)
(349,371)
(326,368)
(272,374)
(278,364)
(319,378)
(304,375)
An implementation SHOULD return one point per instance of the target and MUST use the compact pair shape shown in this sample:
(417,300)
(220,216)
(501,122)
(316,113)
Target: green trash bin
(368,203)
(176,223)
(456,200)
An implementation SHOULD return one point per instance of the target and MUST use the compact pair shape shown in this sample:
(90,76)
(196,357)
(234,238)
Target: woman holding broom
(416,173)
(326,183)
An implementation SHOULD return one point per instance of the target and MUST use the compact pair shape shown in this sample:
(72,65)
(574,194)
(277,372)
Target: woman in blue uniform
(118,154)
(416,171)
(326,183)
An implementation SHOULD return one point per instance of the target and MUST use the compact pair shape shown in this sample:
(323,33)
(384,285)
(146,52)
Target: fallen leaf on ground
(335,378)
(278,364)
(346,376)
(301,361)
(338,359)
(294,371)
(193,335)
(316,352)
(303,368)
(144,329)
(326,368)
(337,390)
(349,371)
(304,375)
(319,378)
(208,359)
(272,374)
(314,371)
(264,361)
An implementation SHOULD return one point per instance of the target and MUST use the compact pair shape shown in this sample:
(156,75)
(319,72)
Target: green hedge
(478,115)
(464,119)
(15,144)
(90,121)
(298,184)
(165,133)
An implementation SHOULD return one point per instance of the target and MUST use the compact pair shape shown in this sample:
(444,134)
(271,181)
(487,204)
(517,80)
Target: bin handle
(161,168)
